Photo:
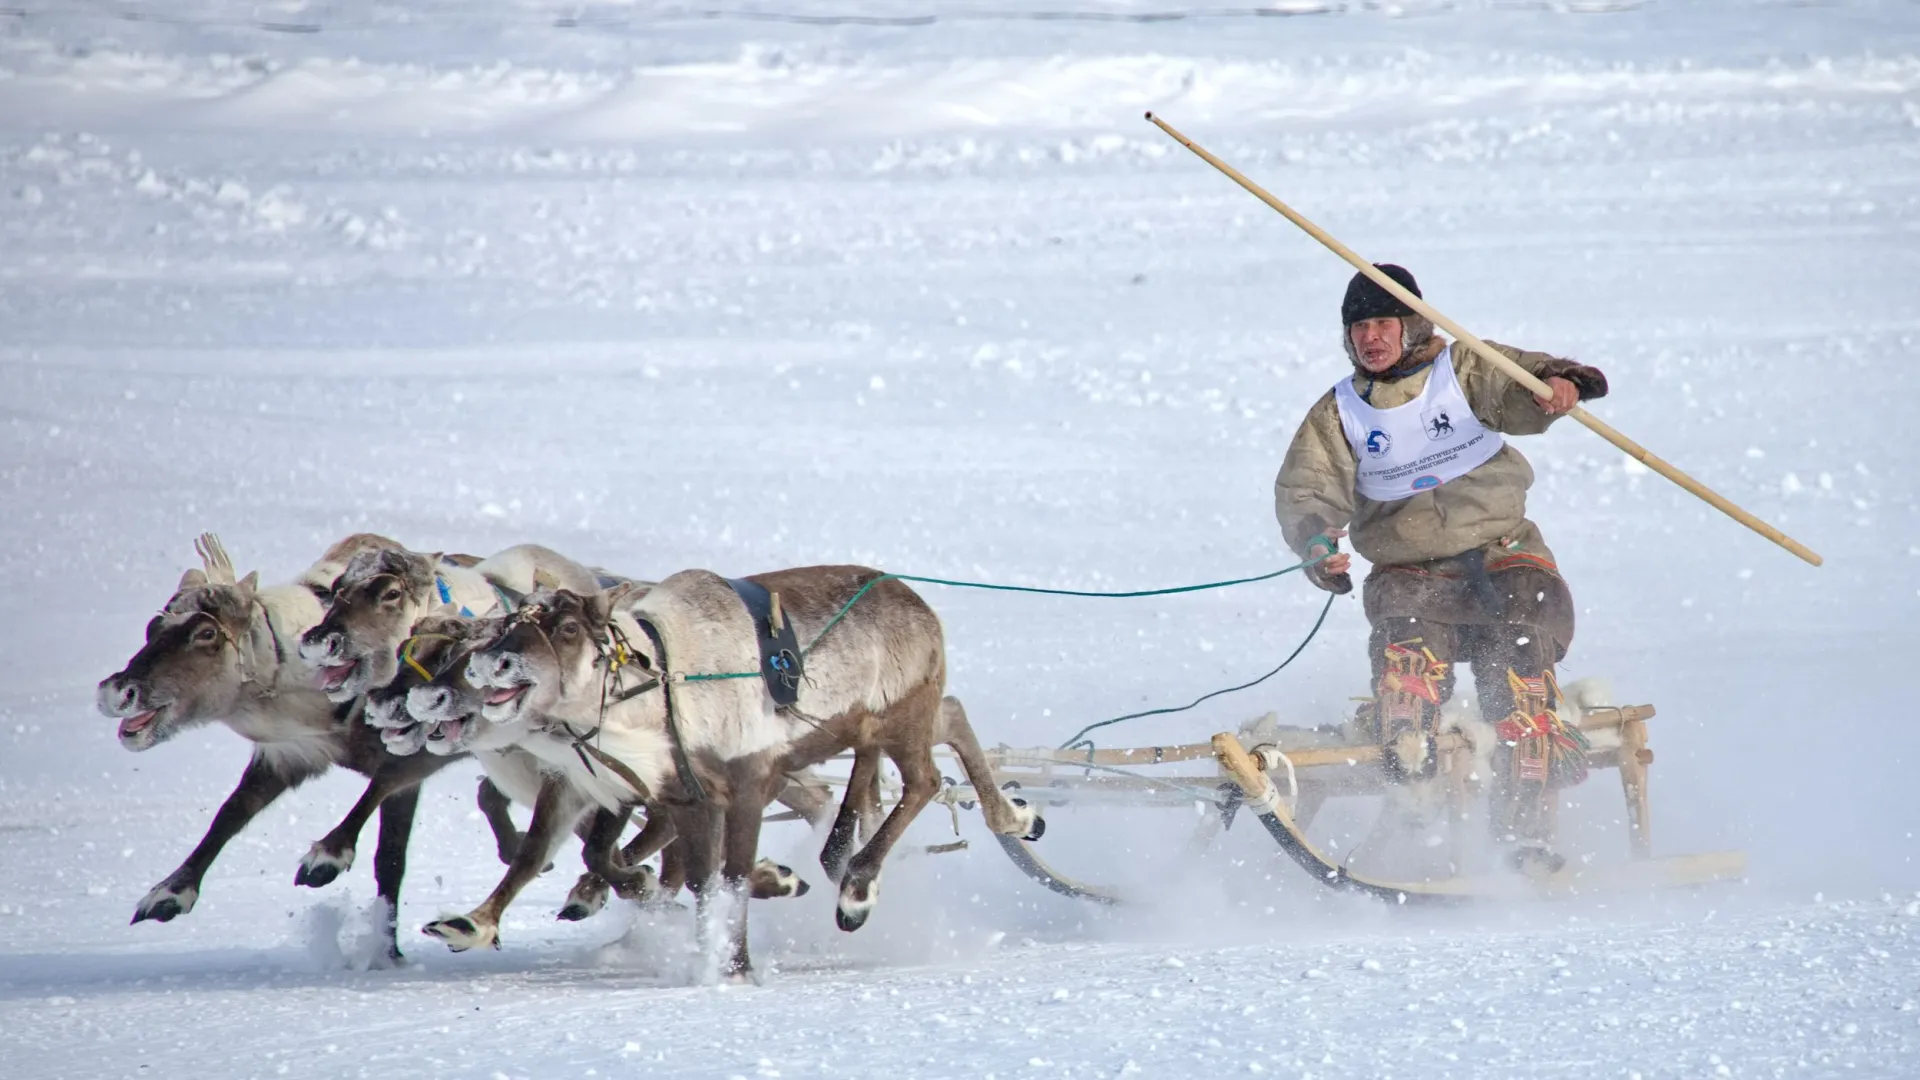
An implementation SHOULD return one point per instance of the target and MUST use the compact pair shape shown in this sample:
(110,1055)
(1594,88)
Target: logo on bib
(1378,443)
(1425,482)
(1439,425)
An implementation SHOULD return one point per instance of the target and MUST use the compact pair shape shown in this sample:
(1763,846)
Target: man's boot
(1404,715)
(1538,754)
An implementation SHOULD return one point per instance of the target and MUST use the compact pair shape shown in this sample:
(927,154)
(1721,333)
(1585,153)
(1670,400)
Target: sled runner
(1280,777)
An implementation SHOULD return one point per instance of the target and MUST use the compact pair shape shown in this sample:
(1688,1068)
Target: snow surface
(911,283)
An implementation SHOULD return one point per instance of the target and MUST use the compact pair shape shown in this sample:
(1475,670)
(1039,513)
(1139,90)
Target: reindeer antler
(214,557)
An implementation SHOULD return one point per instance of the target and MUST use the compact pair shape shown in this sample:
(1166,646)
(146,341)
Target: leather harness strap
(681,764)
(781,665)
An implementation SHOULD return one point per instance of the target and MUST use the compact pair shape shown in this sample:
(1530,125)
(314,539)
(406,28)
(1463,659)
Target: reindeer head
(196,663)
(549,658)
(438,697)
(436,647)
(374,602)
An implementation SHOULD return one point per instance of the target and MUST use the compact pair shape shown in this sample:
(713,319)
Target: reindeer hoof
(322,867)
(462,933)
(165,903)
(769,880)
(585,899)
(1036,825)
(856,904)
(164,911)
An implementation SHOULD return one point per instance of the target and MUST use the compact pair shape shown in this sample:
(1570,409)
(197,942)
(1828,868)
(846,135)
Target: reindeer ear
(417,570)
(248,586)
(192,579)
(602,605)
(544,580)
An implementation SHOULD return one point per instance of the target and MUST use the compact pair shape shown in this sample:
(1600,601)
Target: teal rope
(1130,595)
(1079,739)
(1321,540)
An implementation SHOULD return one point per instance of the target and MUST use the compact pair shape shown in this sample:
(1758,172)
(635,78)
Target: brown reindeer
(612,700)
(220,651)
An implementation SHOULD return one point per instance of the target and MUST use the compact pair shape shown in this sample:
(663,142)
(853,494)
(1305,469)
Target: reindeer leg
(493,806)
(598,853)
(700,828)
(868,808)
(839,845)
(673,867)
(390,859)
(589,894)
(1008,817)
(860,890)
(742,849)
(556,808)
(332,855)
(175,895)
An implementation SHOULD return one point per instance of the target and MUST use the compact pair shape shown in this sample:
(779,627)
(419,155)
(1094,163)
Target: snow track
(796,283)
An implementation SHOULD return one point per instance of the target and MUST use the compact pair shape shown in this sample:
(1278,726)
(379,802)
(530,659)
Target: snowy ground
(664,286)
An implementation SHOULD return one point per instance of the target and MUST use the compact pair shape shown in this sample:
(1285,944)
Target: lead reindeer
(220,652)
(611,698)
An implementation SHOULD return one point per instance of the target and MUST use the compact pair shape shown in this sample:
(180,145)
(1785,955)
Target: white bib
(1417,446)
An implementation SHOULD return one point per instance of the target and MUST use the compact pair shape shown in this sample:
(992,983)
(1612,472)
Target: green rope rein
(1079,741)
(1079,737)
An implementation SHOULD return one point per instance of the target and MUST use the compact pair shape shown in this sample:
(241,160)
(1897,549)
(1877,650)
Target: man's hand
(1565,396)
(1332,573)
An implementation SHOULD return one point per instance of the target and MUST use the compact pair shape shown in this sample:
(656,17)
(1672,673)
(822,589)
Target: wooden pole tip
(1149,114)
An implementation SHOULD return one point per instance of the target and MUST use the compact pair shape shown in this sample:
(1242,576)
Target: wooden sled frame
(1252,779)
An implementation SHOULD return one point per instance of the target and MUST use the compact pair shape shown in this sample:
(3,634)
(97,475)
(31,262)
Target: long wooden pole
(1494,356)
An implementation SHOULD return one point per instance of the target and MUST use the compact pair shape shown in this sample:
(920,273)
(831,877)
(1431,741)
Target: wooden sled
(1315,765)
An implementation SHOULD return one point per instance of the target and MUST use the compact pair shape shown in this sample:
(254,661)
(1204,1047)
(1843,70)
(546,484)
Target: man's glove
(1331,573)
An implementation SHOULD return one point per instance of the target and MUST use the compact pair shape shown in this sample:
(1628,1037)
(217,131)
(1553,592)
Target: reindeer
(602,694)
(439,701)
(219,651)
(383,590)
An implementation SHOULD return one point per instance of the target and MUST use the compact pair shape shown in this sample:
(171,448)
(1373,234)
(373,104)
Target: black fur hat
(1367,300)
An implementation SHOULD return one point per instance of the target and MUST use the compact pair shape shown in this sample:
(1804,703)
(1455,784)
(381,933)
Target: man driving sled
(1408,453)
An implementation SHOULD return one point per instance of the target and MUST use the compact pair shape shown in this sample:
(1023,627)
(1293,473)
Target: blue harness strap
(446,597)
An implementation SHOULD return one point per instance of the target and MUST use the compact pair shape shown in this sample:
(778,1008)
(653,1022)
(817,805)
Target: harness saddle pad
(780,664)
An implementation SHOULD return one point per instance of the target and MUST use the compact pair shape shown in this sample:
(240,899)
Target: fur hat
(1365,299)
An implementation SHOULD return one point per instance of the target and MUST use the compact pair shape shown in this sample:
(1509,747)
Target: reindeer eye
(391,596)
(205,635)
(569,628)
